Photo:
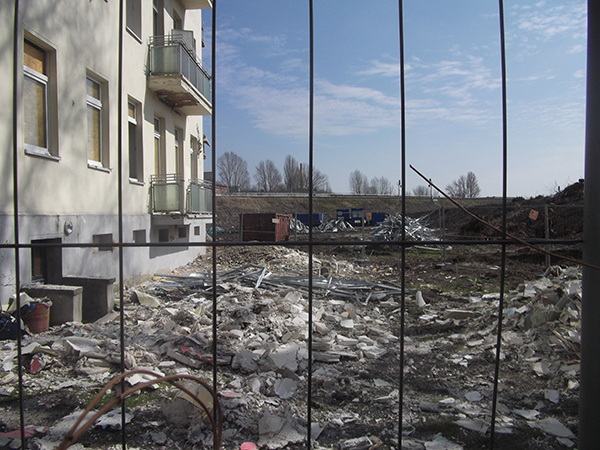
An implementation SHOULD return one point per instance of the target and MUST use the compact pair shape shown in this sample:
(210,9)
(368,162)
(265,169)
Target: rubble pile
(263,360)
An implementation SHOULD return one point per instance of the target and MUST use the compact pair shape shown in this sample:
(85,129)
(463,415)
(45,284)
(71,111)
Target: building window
(182,232)
(135,143)
(39,100)
(159,152)
(178,133)
(139,236)
(193,158)
(105,241)
(163,235)
(134,17)
(46,261)
(157,18)
(94,121)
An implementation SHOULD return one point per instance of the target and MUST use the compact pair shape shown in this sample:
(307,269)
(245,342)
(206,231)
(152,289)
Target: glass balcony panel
(165,60)
(167,197)
(199,198)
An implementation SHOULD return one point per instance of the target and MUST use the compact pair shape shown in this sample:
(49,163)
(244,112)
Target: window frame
(42,79)
(160,163)
(134,24)
(101,105)
(138,155)
(48,80)
(95,103)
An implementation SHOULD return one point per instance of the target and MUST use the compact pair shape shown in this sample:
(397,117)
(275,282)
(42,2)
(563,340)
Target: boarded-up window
(35,97)
(94,120)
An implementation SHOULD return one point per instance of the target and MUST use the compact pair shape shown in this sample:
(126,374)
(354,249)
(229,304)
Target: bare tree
(267,176)
(291,174)
(296,177)
(421,191)
(320,181)
(233,172)
(381,186)
(465,187)
(359,184)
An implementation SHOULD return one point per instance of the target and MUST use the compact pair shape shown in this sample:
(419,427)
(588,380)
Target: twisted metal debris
(416,229)
(256,276)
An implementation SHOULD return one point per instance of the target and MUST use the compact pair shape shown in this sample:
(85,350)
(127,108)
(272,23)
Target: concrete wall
(81,39)
(140,263)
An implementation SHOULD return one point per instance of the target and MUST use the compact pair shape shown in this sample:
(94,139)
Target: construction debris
(415,229)
(263,356)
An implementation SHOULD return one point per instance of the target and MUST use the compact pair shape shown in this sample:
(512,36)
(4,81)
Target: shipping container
(270,227)
(316,217)
(377,218)
(343,214)
(357,215)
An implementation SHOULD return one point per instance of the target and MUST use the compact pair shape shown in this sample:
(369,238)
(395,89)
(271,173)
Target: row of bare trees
(360,185)
(466,186)
(233,173)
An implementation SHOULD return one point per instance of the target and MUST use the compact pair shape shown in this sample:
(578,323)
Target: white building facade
(66,129)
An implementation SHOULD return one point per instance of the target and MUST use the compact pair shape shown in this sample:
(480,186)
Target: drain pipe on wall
(589,392)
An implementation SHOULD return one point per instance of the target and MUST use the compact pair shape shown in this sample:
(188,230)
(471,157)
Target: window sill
(134,35)
(41,154)
(95,165)
(136,182)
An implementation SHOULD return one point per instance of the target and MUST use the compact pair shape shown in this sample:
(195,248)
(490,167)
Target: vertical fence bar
(16,72)
(403,209)
(547,233)
(214,195)
(503,228)
(589,393)
(120,217)
(311,106)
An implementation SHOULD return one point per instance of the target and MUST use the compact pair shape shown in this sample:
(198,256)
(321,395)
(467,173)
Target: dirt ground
(448,330)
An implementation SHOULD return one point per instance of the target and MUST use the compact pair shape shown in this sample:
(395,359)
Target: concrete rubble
(262,354)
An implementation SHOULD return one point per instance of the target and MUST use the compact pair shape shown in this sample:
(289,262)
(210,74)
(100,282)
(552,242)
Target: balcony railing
(175,55)
(199,196)
(168,195)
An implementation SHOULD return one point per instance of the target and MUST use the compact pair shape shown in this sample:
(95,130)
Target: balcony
(168,195)
(177,76)
(199,197)
(197,4)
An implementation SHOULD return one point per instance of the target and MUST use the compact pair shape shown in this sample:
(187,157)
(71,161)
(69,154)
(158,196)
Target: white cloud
(384,69)
(576,49)
(545,22)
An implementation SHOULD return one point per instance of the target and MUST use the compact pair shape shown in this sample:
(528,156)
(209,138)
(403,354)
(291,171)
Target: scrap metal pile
(333,226)
(416,229)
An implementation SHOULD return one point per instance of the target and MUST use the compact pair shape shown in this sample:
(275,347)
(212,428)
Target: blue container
(377,218)
(343,214)
(357,216)
(317,218)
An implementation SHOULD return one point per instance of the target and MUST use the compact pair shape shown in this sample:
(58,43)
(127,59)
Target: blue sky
(453,89)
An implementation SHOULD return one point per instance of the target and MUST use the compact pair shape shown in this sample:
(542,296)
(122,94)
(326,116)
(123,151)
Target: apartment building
(66,128)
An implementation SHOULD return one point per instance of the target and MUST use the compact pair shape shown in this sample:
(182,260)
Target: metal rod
(311,111)
(503,229)
(214,191)
(16,74)
(589,392)
(403,209)
(120,214)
